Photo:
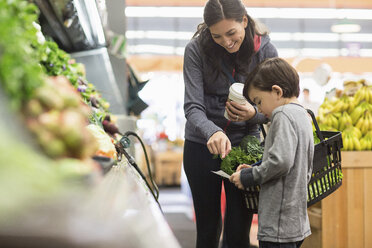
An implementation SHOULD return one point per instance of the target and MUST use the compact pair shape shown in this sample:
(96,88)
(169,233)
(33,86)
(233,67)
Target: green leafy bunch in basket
(249,151)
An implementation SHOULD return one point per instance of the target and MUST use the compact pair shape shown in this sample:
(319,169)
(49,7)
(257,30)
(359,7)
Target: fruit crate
(327,172)
(168,166)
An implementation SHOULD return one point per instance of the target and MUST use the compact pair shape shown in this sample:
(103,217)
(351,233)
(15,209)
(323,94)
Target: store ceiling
(364,4)
(294,31)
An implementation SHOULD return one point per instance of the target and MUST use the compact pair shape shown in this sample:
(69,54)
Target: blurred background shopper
(224,49)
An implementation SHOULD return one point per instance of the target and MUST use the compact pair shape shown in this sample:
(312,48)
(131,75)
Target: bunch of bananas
(352,115)
(344,103)
(359,111)
(364,123)
(366,141)
(324,108)
(331,120)
(350,139)
(364,94)
(344,121)
(350,87)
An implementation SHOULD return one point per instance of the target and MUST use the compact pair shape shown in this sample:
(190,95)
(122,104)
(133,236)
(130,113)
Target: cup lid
(237,90)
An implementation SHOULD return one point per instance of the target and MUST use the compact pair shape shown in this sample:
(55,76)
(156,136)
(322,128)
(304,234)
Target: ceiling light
(345,26)
(267,13)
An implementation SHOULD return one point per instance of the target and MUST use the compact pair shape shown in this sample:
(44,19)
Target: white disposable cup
(236,95)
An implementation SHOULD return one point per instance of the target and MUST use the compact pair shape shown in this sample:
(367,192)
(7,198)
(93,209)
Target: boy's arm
(246,178)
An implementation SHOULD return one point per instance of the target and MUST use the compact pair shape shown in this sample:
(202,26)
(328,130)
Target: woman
(225,48)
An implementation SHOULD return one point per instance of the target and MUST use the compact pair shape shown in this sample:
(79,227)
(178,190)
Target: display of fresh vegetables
(248,152)
(20,72)
(106,145)
(56,62)
(47,90)
(25,175)
(58,118)
(56,109)
(28,178)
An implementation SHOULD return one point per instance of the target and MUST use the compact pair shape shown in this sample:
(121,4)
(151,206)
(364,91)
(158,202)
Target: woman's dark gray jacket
(206,95)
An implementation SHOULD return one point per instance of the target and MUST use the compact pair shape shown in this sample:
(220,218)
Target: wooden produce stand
(344,219)
(168,166)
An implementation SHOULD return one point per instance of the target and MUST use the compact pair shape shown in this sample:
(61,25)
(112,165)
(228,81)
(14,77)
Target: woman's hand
(240,112)
(219,143)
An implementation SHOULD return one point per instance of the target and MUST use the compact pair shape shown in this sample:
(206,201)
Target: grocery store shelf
(99,72)
(117,211)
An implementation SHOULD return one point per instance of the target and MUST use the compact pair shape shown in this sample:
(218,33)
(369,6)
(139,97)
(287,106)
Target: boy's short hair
(273,71)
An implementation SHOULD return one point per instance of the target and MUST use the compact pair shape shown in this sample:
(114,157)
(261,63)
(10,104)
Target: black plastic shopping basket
(327,173)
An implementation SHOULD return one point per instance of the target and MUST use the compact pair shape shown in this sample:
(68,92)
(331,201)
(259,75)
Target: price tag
(222,174)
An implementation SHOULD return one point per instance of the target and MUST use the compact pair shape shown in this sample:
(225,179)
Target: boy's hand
(242,166)
(235,179)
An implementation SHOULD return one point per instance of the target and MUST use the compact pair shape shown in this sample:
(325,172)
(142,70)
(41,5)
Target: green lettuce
(249,151)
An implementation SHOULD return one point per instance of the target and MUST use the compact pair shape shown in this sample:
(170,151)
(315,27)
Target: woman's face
(229,33)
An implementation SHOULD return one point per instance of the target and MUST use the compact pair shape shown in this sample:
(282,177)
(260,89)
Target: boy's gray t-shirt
(283,176)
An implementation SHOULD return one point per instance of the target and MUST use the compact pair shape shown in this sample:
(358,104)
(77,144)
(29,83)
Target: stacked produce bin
(342,219)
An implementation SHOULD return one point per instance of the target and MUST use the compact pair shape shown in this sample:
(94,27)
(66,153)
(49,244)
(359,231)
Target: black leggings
(265,244)
(206,192)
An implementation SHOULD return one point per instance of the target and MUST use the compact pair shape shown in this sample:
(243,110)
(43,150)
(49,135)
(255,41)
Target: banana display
(352,115)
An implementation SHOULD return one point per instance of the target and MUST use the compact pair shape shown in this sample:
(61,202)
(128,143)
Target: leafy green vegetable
(316,139)
(249,151)
(56,62)
(252,146)
(20,73)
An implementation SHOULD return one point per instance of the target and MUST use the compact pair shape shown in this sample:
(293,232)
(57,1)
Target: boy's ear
(277,90)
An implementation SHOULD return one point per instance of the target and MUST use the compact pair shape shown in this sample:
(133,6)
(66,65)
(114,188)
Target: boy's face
(266,101)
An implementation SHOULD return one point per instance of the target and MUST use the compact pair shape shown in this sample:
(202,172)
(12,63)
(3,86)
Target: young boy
(288,156)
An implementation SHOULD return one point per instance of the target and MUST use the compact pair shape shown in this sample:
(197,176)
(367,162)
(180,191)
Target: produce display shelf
(118,210)
(343,218)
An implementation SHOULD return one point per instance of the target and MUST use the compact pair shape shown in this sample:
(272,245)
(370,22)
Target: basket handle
(317,130)
(263,130)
